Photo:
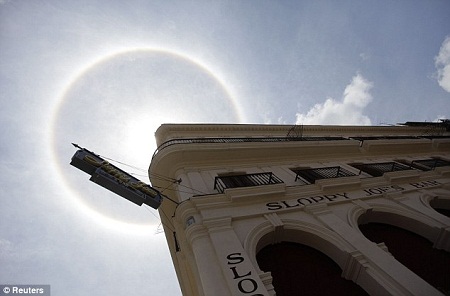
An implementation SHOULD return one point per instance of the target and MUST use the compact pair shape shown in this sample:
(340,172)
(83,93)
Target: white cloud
(348,111)
(442,63)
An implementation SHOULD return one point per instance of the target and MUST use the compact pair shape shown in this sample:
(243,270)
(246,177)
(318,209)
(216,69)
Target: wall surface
(237,189)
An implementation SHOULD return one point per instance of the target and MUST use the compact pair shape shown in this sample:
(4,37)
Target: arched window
(445,212)
(413,251)
(441,205)
(298,269)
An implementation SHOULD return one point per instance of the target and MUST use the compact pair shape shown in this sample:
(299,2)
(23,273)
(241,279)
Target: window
(413,251)
(311,175)
(378,169)
(245,180)
(430,163)
(298,269)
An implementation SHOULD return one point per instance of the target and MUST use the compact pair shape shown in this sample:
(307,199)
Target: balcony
(246,180)
(311,175)
(243,140)
(429,164)
(378,169)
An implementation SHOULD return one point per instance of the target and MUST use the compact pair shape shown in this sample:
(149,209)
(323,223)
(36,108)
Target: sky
(106,74)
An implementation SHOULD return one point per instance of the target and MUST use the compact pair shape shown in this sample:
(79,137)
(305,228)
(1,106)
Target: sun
(140,140)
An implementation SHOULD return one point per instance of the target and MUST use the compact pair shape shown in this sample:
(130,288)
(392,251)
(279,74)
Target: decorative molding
(218,224)
(251,192)
(402,176)
(376,146)
(171,131)
(355,212)
(362,204)
(195,232)
(443,240)
(395,196)
(266,279)
(426,197)
(401,216)
(336,184)
(385,248)
(354,264)
(318,209)
(274,219)
(278,225)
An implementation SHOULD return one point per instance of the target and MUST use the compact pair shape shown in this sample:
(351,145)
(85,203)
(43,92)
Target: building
(302,210)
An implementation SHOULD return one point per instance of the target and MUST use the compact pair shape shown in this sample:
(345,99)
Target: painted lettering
(424,184)
(331,197)
(141,186)
(304,201)
(272,206)
(300,201)
(93,161)
(235,257)
(398,188)
(317,198)
(344,195)
(246,285)
(114,179)
(249,289)
(373,191)
(383,189)
(236,273)
(289,206)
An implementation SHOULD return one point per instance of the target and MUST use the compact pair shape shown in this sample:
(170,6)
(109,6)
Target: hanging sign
(114,179)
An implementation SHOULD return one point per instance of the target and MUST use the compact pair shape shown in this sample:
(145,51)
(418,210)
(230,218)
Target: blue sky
(106,74)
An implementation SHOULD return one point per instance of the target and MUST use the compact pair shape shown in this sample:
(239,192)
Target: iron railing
(378,169)
(386,138)
(232,181)
(311,175)
(283,139)
(243,140)
(429,164)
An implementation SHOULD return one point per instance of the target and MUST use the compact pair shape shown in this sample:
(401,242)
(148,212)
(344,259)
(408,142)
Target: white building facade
(235,191)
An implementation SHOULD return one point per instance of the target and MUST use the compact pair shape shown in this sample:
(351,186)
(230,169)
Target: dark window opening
(301,270)
(413,251)
(378,169)
(441,205)
(245,180)
(445,212)
(311,175)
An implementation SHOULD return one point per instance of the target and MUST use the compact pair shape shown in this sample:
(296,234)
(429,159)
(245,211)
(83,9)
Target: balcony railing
(243,140)
(232,181)
(429,164)
(311,175)
(284,139)
(378,169)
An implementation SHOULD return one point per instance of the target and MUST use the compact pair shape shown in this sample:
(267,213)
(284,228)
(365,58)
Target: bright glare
(140,139)
(114,106)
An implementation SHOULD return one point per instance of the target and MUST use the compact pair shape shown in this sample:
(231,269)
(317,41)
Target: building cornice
(176,131)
